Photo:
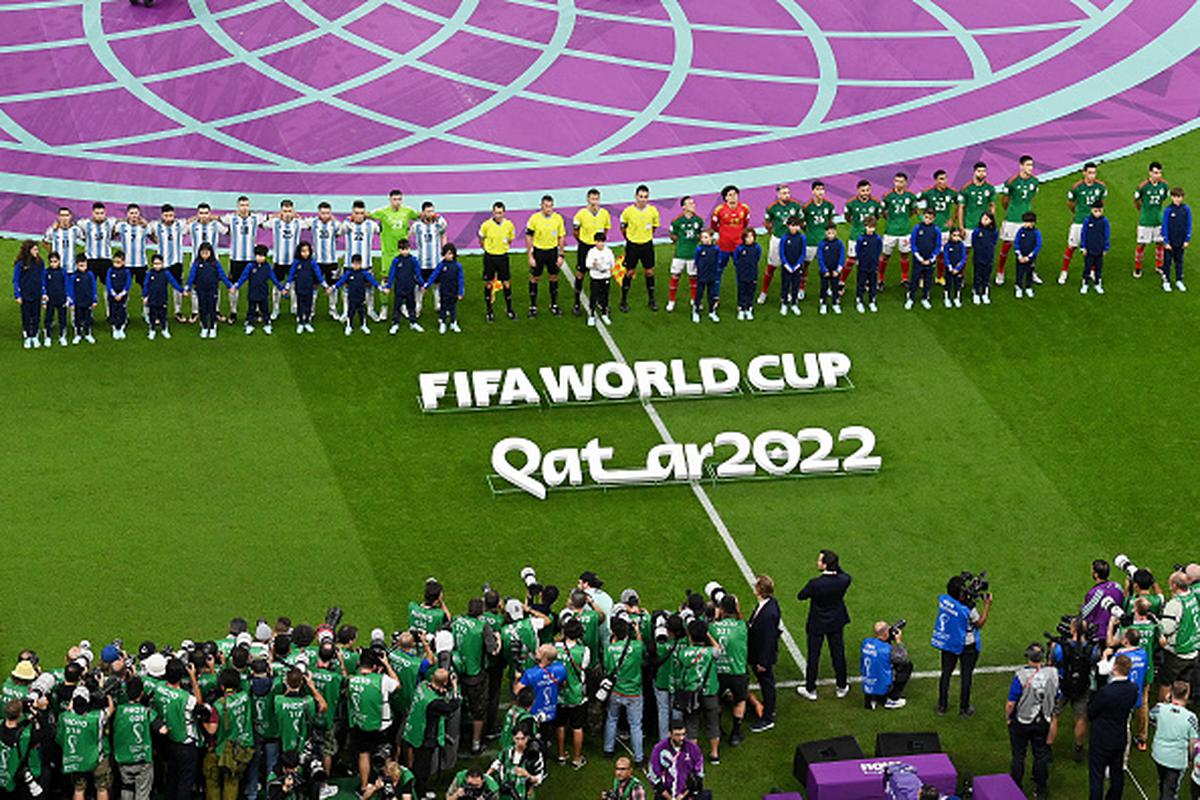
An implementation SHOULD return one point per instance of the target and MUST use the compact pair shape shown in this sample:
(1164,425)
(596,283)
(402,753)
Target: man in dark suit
(1108,712)
(827,619)
(763,651)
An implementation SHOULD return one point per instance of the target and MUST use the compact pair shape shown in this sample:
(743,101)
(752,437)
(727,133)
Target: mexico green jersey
(407,667)
(235,721)
(415,731)
(468,645)
(81,737)
(11,757)
(686,231)
(329,683)
(816,217)
(294,714)
(976,198)
(1083,195)
(857,212)
(393,226)
(1021,192)
(573,658)
(423,618)
(899,207)
(364,701)
(1152,196)
(940,201)
(694,668)
(732,635)
(627,669)
(132,725)
(778,214)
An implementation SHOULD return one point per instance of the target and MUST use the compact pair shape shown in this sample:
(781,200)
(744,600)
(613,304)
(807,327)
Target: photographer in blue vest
(956,634)
(885,667)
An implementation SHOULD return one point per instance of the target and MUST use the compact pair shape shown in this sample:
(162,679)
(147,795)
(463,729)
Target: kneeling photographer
(886,666)
(956,634)
(473,784)
(1075,653)
(625,785)
(395,782)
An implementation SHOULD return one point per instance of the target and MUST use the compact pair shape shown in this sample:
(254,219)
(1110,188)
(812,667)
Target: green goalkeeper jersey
(393,226)
(1152,196)
(1021,192)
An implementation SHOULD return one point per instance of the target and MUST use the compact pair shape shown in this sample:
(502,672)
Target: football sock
(768,276)
(1139,254)
(1005,249)
(941,267)
(487,295)
(692,285)
(904,267)
(533,293)
(883,263)
(626,282)
(672,287)
(1158,255)
(1070,251)
(508,297)
(650,287)
(553,293)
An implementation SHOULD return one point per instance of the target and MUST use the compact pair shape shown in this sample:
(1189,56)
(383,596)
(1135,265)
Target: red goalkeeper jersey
(729,223)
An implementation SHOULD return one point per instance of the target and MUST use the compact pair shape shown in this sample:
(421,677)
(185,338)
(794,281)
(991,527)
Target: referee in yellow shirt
(545,235)
(495,236)
(587,223)
(638,223)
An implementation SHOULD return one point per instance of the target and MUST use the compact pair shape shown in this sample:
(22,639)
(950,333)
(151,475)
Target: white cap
(377,635)
(244,639)
(514,608)
(156,665)
(262,631)
(81,692)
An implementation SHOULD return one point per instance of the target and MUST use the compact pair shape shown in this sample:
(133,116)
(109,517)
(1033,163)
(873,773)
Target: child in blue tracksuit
(955,253)
(258,273)
(792,250)
(28,277)
(116,288)
(1093,240)
(831,257)
(867,249)
(304,277)
(82,297)
(404,278)
(355,280)
(707,269)
(155,295)
(206,277)
(54,295)
(745,267)
(983,255)
(1176,232)
(926,244)
(451,285)
(1027,244)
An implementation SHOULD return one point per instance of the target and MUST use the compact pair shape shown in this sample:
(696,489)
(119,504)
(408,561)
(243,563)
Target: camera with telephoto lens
(333,617)
(619,611)
(443,647)
(662,629)
(975,587)
(532,587)
(895,628)
(1123,563)
(715,592)
(1062,631)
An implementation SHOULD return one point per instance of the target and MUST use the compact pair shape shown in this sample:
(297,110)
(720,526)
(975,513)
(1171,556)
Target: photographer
(470,633)
(1181,632)
(730,633)
(623,659)
(677,767)
(133,723)
(520,769)
(1028,712)
(431,614)
(473,784)
(581,606)
(296,711)
(25,732)
(263,689)
(369,710)
(669,636)
(599,599)
(395,782)
(763,651)
(329,675)
(572,702)
(1075,656)
(425,729)
(493,663)
(178,709)
(285,783)
(695,685)
(545,677)
(626,786)
(81,737)
(885,666)
(521,635)
(956,635)
(1104,599)
(233,728)
(827,621)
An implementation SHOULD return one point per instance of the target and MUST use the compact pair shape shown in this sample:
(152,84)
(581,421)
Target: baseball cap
(514,608)
(156,665)
(110,653)
(24,671)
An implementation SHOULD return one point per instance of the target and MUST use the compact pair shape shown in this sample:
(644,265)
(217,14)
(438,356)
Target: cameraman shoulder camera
(956,634)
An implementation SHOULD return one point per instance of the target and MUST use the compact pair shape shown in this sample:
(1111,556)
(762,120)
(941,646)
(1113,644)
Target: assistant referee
(495,236)
(588,221)
(638,223)
(545,235)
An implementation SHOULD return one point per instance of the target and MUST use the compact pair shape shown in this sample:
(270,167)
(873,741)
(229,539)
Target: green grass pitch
(155,489)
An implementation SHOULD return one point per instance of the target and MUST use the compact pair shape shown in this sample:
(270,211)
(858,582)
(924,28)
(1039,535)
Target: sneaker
(800,295)
(1078,754)
(77,339)
(152,334)
(365,329)
(696,317)
(804,692)
(749,313)
(580,764)
(1166,286)
(233,319)
(267,329)
(1181,286)
(901,703)
(958,302)
(592,321)
(308,328)
(986,299)
(653,304)
(670,306)
(908,304)
(349,330)
(441,327)
(837,308)
(975,299)
(735,739)
(1137,272)
(1029,291)
(415,327)
(624,307)
(999,278)
(299,329)
(762,726)
(28,343)
(89,339)
(490,316)
(1037,279)
(454,328)
(532,311)
(940,711)
(925,304)
(1099,288)
(204,333)
(713,316)
(328,791)
(607,320)
(212,332)
(824,310)
(860,308)
(249,329)
(762,298)
(576,309)
(1018,293)
(555,310)
(715,761)
(872,306)
(842,691)
(947,302)
(511,314)
(62,340)
(166,334)
(967,712)
(783,311)
(1083,287)
(796,309)
(1062,278)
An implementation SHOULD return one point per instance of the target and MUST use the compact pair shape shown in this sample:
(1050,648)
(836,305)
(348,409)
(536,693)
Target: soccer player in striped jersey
(97,244)
(360,231)
(1017,195)
(588,221)
(428,236)
(285,230)
(1149,199)
(326,229)
(1080,198)
(205,228)
(64,238)
(167,235)
(776,219)
(941,198)
(134,235)
(243,227)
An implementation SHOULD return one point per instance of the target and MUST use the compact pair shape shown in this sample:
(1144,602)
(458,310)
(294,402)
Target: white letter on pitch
(754,373)
(730,375)
(521,477)
(433,388)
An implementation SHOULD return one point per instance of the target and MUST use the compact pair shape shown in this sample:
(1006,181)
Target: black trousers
(83,319)
(598,295)
(789,291)
(31,312)
(422,768)
(982,277)
(766,682)
(922,276)
(208,308)
(1093,267)
(837,653)
(448,309)
(181,768)
(257,311)
(158,318)
(1174,256)
(56,309)
(867,282)
(701,288)
(967,660)
(1114,762)
(1031,736)
(408,303)
(304,307)
(358,310)
(118,311)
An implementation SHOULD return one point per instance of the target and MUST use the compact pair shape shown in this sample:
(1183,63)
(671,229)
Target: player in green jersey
(1149,199)
(776,219)
(1017,198)
(940,198)
(1080,198)
(898,206)
(393,219)
(858,209)
(816,214)
(974,199)
(685,234)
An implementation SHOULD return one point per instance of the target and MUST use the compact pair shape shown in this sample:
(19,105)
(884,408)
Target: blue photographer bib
(876,666)
(950,628)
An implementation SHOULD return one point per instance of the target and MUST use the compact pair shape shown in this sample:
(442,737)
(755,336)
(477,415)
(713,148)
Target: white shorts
(810,253)
(852,249)
(945,237)
(678,265)
(1148,234)
(967,238)
(1008,231)
(890,243)
(1074,234)
(773,258)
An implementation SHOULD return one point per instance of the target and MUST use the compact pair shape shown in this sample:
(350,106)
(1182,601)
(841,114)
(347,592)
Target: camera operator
(626,786)
(623,659)
(572,702)
(425,730)
(470,632)
(369,709)
(263,688)
(178,708)
(1140,623)
(233,729)
(730,632)
(677,766)
(409,658)
(494,663)
(764,629)
(473,784)
(24,734)
(1142,584)
(546,678)
(520,769)
(133,723)
(395,782)
(827,621)
(16,686)
(695,687)
(601,601)
(1101,601)
(956,635)
(521,635)
(1076,656)
(286,783)
(886,667)
(669,635)
(329,675)
(1028,713)
(296,711)
(431,614)
(81,735)
(581,606)
(1181,631)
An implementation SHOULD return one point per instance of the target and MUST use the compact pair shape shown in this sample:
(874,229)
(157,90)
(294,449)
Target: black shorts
(544,260)
(573,717)
(581,257)
(236,268)
(330,273)
(426,274)
(176,271)
(636,253)
(99,267)
(475,691)
(281,271)
(736,685)
(1175,668)
(496,266)
(706,719)
(139,275)
(368,741)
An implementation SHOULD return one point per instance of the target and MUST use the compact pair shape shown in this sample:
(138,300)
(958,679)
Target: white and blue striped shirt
(285,236)
(360,237)
(325,236)
(243,234)
(133,242)
(169,239)
(97,238)
(201,232)
(64,241)
(426,239)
